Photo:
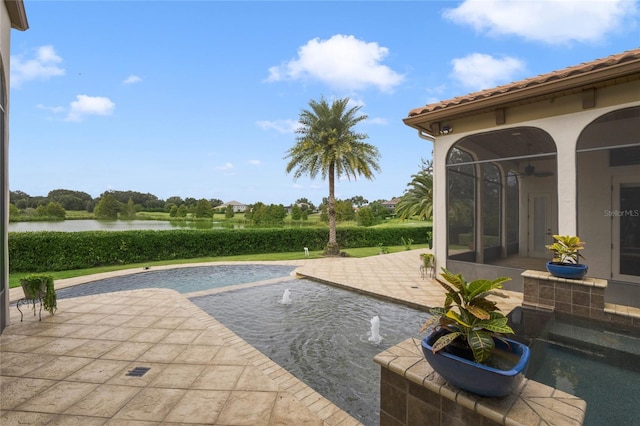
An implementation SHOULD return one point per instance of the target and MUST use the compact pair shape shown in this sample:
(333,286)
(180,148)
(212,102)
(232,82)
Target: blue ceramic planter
(567,270)
(473,377)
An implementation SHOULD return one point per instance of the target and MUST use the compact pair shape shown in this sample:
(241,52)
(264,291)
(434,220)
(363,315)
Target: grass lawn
(313,219)
(14,279)
(78,214)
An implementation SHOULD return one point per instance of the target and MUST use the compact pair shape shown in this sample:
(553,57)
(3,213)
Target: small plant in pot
(39,287)
(427,269)
(466,345)
(566,257)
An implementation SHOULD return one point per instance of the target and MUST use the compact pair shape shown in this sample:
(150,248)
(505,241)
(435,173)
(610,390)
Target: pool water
(598,363)
(321,337)
(612,392)
(183,280)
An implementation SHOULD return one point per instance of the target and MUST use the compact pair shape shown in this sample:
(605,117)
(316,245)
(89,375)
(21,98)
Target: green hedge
(59,251)
(489,240)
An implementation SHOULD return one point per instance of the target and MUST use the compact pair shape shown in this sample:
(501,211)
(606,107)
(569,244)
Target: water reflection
(117,225)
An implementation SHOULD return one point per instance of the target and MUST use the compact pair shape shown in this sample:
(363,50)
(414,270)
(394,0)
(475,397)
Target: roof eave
(422,122)
(17,14)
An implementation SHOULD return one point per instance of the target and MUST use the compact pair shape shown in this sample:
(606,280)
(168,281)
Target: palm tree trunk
(332,248)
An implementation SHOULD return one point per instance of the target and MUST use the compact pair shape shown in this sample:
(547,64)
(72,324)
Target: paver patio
(78,366)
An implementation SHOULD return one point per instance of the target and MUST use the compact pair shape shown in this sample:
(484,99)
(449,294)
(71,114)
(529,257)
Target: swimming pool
(594,361)
(321,336)
(183,280)
(326,329)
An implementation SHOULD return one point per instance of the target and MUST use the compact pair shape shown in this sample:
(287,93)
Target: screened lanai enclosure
(496,182)
(503,193)
(608,168)
(557,153)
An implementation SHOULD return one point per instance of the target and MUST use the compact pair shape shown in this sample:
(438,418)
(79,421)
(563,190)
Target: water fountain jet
(286,297)
(375,336)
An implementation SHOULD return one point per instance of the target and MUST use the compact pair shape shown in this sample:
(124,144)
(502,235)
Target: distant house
(12,15)
(558,153)
(391,204)
(237,206)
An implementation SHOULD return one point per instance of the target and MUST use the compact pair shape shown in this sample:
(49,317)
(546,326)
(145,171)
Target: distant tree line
(78,200)
(125,205)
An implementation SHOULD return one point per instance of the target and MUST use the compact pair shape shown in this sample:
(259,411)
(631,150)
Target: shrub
(59,251)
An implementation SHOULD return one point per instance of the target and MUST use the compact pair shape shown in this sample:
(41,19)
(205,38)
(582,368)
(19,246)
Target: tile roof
(555,76)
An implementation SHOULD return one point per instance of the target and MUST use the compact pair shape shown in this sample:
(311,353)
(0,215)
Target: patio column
(440,240)
(567,184)
(565,131)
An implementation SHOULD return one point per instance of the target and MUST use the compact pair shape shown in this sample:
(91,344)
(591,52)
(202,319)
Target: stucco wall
(564,119)
(595,204)
(5,42)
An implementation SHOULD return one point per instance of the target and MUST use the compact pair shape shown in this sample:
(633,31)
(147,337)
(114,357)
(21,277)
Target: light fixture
(446,130)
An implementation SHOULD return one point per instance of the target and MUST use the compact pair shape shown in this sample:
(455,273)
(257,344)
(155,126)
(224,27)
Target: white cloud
(255,162)
(548,21)
(343,62)
(353,103)
(435,93)
(56,109)
(89,105)
(41,67)
(281,126)
(132,79)
(378,120)
(478,71)
(225,168)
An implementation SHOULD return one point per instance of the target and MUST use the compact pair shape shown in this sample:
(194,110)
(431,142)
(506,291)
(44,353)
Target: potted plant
(427,269)
(566,256)
(39,287)
(466,345)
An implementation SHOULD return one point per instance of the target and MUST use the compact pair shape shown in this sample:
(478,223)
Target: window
(491,205)
(461,183)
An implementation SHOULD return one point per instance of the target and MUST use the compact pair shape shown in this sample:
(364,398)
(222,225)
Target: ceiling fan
(530,170)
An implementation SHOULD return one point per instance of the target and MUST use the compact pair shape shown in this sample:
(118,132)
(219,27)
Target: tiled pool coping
(412,393)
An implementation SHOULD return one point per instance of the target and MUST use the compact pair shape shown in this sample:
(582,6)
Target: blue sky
(201,99)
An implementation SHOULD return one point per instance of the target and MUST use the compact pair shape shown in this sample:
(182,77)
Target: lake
(117,225)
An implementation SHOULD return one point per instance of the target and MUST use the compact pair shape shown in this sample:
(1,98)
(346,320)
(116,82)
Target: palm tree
(418,197)
(328,145)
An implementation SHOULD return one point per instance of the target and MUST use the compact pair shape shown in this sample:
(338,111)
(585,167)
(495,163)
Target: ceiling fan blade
(529,170)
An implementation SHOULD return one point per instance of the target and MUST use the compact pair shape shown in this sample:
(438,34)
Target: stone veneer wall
(582,298)
(404,402)
(411,393)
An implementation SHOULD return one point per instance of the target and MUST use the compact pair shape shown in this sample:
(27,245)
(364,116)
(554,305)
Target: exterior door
(541,224)
(625,231)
